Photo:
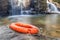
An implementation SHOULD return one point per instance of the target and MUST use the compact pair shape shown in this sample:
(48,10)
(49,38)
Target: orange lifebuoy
(24,28)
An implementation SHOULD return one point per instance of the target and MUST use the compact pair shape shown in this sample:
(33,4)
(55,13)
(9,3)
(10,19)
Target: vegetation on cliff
(57,1)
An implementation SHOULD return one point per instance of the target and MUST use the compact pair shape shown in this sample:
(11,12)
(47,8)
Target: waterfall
(51,7)
(17,7)
(21,7)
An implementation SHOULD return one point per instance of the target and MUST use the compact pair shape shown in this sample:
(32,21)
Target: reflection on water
(31,19)
(53,25)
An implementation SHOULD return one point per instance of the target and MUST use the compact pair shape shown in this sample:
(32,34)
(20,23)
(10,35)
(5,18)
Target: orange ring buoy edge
(24,28)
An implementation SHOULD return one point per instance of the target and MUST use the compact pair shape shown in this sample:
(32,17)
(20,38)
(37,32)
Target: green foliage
(57,1)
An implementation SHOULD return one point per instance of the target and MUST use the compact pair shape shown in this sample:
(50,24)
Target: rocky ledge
(7,34)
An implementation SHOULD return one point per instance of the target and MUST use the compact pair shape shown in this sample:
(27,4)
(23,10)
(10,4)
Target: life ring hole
(25,25)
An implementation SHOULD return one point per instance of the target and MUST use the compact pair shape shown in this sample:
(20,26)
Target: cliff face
(41,5)
(3,7)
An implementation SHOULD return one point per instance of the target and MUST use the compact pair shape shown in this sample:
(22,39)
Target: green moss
(57,1)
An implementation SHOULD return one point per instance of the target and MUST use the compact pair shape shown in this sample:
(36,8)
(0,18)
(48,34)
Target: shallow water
(31,19)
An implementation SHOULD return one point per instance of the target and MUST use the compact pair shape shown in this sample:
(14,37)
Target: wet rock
(7,34)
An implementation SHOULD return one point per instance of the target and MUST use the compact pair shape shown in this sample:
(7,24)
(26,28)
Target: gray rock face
(41,5)
(3,7)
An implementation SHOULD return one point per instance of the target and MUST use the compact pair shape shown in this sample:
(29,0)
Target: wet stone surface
(7,34)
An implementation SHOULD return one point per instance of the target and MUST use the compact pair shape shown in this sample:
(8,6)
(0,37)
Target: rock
(7,34)
(41,5)
(4,7)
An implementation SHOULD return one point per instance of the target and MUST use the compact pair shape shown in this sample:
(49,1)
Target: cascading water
(51,7)
(20,7)
(26,7)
